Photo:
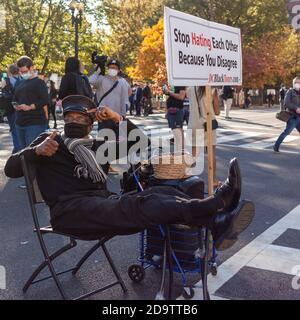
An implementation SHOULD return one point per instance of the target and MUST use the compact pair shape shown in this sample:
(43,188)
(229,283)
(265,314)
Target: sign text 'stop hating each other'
(201,52)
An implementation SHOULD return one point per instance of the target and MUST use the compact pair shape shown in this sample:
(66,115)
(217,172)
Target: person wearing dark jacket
(138,100)
(73,185)
(292,103)
(12,82)
(53,95)
(147,99)
(31,97)
(227,96)
(74,82)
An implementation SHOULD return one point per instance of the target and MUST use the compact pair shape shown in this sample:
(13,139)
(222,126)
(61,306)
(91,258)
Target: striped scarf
(88,166)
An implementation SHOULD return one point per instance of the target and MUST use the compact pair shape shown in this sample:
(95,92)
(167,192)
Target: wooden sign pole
(208,103)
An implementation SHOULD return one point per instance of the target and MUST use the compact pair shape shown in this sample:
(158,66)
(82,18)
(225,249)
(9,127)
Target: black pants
(51,110)
(93,216)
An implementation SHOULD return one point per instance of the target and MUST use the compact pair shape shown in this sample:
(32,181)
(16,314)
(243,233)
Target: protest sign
(200,52)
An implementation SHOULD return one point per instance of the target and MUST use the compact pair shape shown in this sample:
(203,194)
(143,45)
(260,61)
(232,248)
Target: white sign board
(200,52)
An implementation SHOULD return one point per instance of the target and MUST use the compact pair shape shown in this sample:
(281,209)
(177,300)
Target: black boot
(226,227)
(230,191)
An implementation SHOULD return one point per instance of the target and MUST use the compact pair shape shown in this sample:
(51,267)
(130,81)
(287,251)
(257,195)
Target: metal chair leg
(44,264)
(169,263)
(56,280)
(204,269)
(160,294)
(113,267)
(85,257)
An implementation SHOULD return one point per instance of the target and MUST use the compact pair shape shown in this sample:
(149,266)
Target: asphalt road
(269,180)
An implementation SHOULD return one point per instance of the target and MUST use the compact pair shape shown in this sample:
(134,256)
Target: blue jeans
(27,134)
(175,120)
(13,130)
(293,123)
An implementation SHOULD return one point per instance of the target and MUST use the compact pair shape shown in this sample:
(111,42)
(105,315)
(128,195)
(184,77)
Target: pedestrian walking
(270,99)
(30,98)
(186,111)
(147,100)
(10,83)
(138,100)
(247,102)
(292,103)
(74,82)
(227,96)
(282,93)
(131,100)
(53,96)
(175,115)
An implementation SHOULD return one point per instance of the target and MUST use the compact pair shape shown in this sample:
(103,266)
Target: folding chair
(36,198)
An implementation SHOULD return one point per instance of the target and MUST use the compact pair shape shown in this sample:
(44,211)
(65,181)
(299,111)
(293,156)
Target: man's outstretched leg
(128,214)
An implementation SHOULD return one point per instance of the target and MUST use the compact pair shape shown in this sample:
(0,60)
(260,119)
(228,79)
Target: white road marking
(256,252)
(266,143)
(238,136)
(278,259)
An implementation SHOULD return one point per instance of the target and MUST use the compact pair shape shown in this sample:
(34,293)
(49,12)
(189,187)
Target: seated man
(73,186)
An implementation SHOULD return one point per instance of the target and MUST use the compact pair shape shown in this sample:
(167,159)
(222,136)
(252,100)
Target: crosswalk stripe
(277,259)
(266,143)
(255,248)
(238,136)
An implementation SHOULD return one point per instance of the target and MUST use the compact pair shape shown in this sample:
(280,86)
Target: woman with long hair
(74,82)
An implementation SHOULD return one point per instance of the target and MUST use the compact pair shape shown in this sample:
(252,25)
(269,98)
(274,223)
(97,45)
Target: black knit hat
(79,104)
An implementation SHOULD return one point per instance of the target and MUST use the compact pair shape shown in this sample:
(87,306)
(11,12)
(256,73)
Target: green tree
(42,29)
(126,20)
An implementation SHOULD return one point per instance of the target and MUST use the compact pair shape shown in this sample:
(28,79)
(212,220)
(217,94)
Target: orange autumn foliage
(151,60)
(269,60)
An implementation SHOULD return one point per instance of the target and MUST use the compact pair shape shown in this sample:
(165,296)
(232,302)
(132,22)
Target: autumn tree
(271,59)
(151,57)
(126,21)
(269,44)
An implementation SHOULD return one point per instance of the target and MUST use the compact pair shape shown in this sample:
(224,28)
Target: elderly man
(73,186)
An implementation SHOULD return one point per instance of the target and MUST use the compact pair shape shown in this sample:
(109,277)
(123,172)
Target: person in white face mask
(292,104)
(29,100)
(111,90)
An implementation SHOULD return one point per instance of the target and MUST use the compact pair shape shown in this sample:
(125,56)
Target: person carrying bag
(198,121)
(292,114)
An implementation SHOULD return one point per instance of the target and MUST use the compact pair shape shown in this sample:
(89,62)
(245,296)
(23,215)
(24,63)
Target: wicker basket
(172,166)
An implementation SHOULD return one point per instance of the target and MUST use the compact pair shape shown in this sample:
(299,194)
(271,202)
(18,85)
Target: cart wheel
(214,269)
(188,295)
(136,273)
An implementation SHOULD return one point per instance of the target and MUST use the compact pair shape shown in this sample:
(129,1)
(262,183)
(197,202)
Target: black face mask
(76,130)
